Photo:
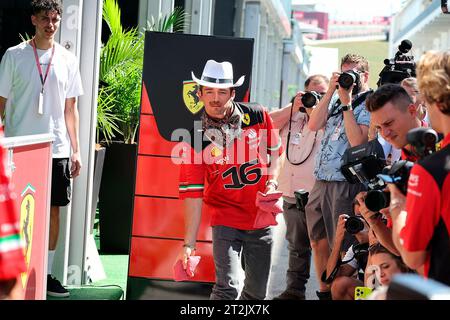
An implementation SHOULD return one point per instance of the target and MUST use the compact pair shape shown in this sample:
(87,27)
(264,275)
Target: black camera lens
(347,79)
(430,138)
(423,141)
(377,200)
(399,172)
(310,99)
(354,224)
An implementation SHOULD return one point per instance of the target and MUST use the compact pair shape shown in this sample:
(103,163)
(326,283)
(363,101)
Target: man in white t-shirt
(39,85)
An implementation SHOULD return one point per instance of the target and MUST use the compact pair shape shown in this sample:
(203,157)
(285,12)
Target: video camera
(400,67)
(423,143)
(362,164)
(366,164)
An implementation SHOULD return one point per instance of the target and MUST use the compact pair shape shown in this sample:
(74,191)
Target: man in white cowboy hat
(239,140)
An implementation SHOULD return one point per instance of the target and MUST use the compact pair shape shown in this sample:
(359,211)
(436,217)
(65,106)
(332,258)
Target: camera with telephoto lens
(377,199)
(310,99)
(366,164)
(348,78)
(301,199)
(400,67)
(423,143)
(354,224)
(397,174)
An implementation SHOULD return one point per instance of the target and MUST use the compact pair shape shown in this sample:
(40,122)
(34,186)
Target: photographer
(393,114)
(301,145)
(382,231)
(346,122)
(421,220)
(339,272)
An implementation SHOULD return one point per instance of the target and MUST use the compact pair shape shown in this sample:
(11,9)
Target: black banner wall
(169,102)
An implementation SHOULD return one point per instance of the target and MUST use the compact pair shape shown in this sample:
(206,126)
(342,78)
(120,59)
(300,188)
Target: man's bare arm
(192,217)
(356,133)
(72,119)
(280,117)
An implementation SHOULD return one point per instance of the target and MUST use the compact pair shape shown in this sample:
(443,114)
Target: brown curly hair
(46,5)
(433,76)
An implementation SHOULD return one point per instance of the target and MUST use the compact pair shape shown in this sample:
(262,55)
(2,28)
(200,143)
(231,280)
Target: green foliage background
(121,62)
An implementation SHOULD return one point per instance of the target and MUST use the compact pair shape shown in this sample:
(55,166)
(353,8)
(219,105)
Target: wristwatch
(347,107)
(189,246)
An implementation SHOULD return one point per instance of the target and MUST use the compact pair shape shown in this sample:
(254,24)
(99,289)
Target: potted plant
(107,125)
(121,62)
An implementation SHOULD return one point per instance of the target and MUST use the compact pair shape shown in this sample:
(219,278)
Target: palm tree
(121,61)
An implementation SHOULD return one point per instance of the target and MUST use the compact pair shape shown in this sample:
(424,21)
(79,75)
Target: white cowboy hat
(217,75)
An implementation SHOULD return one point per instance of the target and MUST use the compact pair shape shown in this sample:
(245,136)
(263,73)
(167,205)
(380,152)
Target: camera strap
(333,273)
(357,251)
(336,110)
(289,139)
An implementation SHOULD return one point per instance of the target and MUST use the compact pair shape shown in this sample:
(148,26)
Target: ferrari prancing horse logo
(27,207)
(190,98)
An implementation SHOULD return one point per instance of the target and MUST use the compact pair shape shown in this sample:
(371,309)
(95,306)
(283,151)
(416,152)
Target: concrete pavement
(277,278)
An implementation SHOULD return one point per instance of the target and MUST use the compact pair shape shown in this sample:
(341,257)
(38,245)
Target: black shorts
(61,191)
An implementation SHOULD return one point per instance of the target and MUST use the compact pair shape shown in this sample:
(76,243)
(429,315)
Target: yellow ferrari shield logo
(190,98)
(215,152)
(246,119)
(26,225)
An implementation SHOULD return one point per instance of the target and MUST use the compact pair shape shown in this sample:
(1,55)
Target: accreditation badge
(41,103)
(295,140)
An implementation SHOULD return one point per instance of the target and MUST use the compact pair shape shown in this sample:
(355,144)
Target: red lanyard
(38,64)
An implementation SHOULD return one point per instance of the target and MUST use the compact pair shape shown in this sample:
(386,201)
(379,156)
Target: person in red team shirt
(421,220)
(12,260)
(238,139)
(393,113)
